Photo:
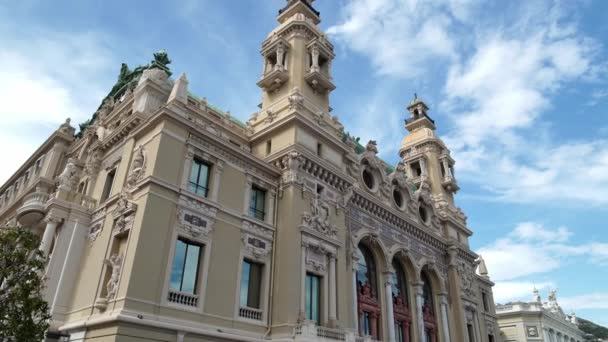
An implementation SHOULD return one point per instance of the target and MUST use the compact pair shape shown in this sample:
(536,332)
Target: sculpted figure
(114,262)
(372,146)
(69,177)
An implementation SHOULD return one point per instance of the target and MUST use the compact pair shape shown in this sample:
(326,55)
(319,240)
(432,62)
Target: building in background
(167,219)
(538,321)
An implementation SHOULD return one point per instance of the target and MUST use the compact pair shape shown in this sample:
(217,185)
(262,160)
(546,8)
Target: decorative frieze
(97,221)
(194,217)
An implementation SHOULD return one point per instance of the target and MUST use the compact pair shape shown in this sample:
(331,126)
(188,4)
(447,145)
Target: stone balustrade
(186,299)
(309,331)
(251,313)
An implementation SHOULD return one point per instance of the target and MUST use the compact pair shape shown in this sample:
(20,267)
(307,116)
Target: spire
(418,115)
(536,297)
(299,6)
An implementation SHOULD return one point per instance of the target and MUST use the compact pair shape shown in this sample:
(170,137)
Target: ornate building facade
(538,321)
(167,219)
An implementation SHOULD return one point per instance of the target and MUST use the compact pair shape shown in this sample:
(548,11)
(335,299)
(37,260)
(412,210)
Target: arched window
(403,318)
(367,294)
(428,309)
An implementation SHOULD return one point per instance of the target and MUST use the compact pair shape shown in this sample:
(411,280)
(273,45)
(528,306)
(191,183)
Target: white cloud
(598,96)
(400,37)
(598,300)
(508,291)
(47,76)
(532,248)
(503,68)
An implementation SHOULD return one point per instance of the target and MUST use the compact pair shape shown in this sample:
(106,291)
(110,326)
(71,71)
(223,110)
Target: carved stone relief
(115,263)
(318,219)
(467,279)
(138,167)
(68,179)
(124,215)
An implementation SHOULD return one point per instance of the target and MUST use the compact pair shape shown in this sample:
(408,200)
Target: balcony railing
(251,313)
(186,299)
(309,331)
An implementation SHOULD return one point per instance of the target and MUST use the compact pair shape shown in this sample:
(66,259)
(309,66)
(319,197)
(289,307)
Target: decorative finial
(415,96)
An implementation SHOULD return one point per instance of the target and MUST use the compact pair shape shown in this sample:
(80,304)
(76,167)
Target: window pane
(308,296)
(315,299)
(261,198)
(245,283)
(196,167)
(255,282)
(178,265)
(191,269)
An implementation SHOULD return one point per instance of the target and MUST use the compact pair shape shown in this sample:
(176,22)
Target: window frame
(261,269)
(194,187)
(205,242)
(320,279)
(265,262)
(253,210)
(201,253)
(106,192)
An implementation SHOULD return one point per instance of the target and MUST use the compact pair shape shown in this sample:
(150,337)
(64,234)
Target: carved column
(270,212)
(187,168)
(418,290)
(303,284)
(355,305)
(280,54)
(315,58)
(443,301)
(390,316)
(332,290)
(459,325)
(546,335)
(219,166)
(248,186)
(49,234)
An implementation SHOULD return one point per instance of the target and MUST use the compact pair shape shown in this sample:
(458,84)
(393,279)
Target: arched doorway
(401,307)
(428,309)
(368,303)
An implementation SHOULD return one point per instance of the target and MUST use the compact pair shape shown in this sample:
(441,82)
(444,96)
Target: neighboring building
(538,321)
(169,220)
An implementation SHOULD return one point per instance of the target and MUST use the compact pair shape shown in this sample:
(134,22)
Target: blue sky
(519,91)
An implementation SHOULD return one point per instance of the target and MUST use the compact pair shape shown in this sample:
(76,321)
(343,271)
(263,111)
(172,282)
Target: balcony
(251,313)
(32,210)
(274,79)
(449,183)
(319,82)
(181,298)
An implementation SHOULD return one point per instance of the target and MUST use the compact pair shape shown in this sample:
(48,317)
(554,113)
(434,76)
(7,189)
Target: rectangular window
(257,203)
(184,272)
(107,187)
(313,297)
(319,149)
(268,147)
(199,178)
(251,283)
